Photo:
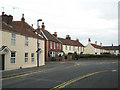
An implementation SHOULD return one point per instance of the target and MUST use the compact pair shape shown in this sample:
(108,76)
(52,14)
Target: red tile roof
(96,46)
(16,26)
(111,47)
(70,42)
(50,37)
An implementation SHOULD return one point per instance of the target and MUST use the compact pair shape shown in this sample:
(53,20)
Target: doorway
(3,61)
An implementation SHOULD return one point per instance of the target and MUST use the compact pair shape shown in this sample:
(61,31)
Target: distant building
(111,49)
(53,46)
(93,48)
(18,44)
(71,46)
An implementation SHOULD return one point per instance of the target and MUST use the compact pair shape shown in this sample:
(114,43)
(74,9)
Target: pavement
(72,74)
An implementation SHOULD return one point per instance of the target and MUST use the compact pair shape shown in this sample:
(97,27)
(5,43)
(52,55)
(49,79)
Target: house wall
(20,49)
(42,54)
(89,49)
(72,50)
(47,48)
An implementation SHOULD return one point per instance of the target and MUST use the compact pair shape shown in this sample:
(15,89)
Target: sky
(82,19)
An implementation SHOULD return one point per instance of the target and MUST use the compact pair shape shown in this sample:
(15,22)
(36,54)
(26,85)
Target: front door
(3,61)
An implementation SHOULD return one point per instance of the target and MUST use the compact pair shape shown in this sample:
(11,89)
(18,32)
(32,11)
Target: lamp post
(38,42)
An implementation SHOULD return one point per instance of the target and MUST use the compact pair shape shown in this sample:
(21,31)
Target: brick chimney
(68,37)
(55,34)
(10,19)
(96,42)
(32,25)
(23,21)
(89,40)
(7,19)
(43,26)
(77,40)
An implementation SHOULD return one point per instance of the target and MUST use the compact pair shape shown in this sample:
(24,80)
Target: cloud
(79,18)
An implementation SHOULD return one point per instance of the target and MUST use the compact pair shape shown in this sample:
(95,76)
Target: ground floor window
(26,57)
(12,57)
(32,57)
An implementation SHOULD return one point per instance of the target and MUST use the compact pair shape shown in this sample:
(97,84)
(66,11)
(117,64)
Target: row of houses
(22,46)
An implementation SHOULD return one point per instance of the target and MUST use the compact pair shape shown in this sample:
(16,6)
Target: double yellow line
(34,72)
(75,79)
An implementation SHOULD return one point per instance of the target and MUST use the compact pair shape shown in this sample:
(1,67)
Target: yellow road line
(34,72)
(75,79)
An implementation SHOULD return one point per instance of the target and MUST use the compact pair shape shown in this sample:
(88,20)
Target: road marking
(75,79)
(35,72)
(114,70)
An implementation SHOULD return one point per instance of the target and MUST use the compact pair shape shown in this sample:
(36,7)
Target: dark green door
(3,61)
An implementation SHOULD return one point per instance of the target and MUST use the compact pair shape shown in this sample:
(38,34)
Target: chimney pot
(3,13)
(55,34)
(43,26)
(68,37)
(32,25)
(77,40)
(96,42)
(22,19)
(89,40)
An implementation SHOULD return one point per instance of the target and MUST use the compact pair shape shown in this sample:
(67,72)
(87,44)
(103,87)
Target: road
(72,74)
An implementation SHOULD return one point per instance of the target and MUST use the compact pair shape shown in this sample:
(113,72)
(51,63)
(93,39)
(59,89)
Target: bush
(52,59)
(97,56)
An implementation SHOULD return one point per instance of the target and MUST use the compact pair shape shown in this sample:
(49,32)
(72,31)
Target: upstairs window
(60,46)
(13,39)
(26,41)
(57,45)
(50,45)
(69,47)
(66,47)
(78,49)
(38,42)
(54,45)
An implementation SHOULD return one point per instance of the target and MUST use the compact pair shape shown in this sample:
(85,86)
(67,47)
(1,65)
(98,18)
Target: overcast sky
(82,19)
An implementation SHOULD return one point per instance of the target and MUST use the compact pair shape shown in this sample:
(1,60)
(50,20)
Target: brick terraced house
(53,46)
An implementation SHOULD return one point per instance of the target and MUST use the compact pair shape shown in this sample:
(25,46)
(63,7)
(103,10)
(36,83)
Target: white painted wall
(72,50)
(89,49)
(20,49)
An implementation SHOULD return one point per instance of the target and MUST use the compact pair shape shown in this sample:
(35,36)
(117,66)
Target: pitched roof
(111,47)
(48,36)
(96,46)
(70,42)
(16,26)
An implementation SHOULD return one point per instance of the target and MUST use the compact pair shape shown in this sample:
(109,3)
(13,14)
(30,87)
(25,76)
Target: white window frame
(73,48)
(26,57)
(60,46)
(32,57)
(54,45)
(13,58)
(69,47)
(57,45)
(50,45)
(66,47)
(26,41)
(13,39)
(38,42)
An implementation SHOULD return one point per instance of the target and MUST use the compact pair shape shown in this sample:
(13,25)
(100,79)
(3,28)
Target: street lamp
(38,42)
